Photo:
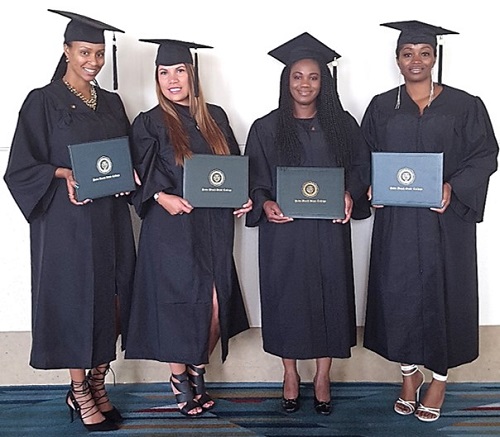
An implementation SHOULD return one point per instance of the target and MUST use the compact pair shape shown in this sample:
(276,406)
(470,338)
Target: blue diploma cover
(407,179)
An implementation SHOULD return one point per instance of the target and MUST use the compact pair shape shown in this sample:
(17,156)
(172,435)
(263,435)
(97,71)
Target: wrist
(156,196)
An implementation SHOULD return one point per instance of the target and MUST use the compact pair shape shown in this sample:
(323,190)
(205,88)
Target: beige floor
(248,362)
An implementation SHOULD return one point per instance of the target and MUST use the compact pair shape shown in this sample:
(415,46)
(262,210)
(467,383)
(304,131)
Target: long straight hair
(204,121)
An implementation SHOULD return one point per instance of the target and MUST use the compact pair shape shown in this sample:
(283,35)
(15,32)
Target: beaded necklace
(91,102)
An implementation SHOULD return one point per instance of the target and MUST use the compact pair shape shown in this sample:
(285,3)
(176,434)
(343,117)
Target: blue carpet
(253,409)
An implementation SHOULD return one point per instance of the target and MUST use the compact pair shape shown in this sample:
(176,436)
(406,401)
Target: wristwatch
(156,196)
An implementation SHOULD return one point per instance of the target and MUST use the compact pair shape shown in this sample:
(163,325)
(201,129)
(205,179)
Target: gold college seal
(310,189)
(216,177)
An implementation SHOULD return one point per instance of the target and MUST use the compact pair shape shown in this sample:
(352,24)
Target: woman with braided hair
(306,272)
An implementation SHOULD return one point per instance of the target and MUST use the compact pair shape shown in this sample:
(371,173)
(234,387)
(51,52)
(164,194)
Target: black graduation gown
(306,271)
(81,256)
(422,304)
(180,257)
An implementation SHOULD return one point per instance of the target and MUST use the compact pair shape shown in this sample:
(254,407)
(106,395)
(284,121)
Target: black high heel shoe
(96,380)
(87,408)
(321,407)
(185,394)
(290,405)
(198,384)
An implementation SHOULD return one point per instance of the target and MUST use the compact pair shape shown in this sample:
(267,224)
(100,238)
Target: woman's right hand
(369,195)
(274,213)
(174,205)
(71,184)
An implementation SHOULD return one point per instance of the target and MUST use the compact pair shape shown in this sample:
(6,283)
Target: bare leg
(214,324)
(322,379)
(291,379)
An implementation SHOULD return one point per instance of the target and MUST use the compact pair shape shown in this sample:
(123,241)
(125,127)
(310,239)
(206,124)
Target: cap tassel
(196,76)
(440,60)
(115,69)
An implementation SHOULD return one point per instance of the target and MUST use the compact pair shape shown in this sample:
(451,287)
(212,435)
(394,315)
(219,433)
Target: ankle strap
(408,370)
(439,377)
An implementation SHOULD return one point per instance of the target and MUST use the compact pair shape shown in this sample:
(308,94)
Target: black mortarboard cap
(417,32)
(172,52)
(82,28)
(304,46)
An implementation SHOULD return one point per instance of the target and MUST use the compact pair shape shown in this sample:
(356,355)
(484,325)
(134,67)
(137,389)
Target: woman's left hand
(445,202)
(247,207)
(137,180)
(348,209)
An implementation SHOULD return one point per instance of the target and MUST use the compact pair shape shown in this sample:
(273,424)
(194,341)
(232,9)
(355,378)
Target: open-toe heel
(430,414)
(185,395)
(405,407)
(85,407)
(197,379)
(96,378)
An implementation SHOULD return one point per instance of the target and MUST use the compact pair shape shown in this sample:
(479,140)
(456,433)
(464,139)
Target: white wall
(238,75)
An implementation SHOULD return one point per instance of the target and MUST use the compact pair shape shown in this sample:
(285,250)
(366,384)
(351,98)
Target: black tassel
(440,64)
(115,68)
(196,77)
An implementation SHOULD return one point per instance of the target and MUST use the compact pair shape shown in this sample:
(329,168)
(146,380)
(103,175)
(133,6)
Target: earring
(67,60)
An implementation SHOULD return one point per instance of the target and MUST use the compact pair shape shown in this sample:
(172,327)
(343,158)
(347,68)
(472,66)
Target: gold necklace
(91,102)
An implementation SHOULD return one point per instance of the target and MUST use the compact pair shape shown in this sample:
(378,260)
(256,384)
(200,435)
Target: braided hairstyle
(331,116)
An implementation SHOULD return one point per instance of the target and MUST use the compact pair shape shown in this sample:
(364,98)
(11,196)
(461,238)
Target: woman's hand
(247,207)
(445,202)
(174,205)
(348,209)
(274,214)
(137,180)
(71,184)
(369,195)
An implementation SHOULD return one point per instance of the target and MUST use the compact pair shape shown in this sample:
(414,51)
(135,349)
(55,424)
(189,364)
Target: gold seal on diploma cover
(310,189)
(216,177)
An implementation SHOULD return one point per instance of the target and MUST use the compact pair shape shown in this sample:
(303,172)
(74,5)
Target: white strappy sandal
(402,406)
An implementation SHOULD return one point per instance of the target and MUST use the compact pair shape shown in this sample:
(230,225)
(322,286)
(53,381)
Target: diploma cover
(311,192)
(216,181)
(102,168)
(407,179)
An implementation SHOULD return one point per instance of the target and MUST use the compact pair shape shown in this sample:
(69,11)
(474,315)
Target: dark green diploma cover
(311,192)
(407,179)
(216,181)
(102,168)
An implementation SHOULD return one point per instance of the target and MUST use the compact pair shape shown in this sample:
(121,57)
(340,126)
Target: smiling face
(415,61)
(174,83)
(305,82)
(85,61)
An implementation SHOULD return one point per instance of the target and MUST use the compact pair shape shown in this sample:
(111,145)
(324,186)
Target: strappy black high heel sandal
(96,378)
(182,385)
(196,376)
(86,408)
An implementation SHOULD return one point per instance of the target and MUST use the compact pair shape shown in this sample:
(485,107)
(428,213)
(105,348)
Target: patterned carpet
(252,409)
